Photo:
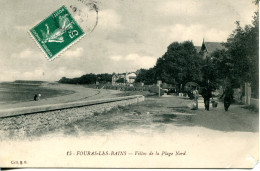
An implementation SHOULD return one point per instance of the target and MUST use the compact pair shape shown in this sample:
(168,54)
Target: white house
(130,77)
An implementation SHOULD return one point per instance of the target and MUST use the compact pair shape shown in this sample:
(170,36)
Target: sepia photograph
(129,84)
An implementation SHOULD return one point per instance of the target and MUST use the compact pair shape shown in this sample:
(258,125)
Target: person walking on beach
(35,98)
(39,97)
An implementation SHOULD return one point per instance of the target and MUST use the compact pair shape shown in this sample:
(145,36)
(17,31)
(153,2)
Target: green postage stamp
(56,33)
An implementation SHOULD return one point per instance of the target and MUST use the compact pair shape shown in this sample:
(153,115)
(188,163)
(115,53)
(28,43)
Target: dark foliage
(179,65)
(120,80)
(146,76)
(88,79)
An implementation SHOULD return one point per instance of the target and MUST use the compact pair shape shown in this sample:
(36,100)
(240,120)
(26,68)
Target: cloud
(74,53)
(116,58)
(36,74)
(11,75)
(180,8)
(27,27)
(27,54)
(244,11)
(70,73)
(40,74)
(128,35)
(135,60)
(109,19)
(30,64)
(194,32)
(132,57)
(8,75)
(142,61)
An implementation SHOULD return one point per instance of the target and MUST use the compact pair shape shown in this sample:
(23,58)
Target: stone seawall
(19,125)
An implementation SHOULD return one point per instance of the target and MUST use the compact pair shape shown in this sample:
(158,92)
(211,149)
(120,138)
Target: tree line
(88,79)
(236,64)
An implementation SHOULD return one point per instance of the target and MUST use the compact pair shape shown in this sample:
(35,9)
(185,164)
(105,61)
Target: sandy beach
(80,93)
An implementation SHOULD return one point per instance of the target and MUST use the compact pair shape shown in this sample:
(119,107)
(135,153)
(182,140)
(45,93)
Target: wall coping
(50,107)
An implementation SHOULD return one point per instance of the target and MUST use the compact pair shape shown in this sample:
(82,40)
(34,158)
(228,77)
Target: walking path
(235,119)
(208,139)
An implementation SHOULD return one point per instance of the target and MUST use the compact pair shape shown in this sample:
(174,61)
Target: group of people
(36,97)
(207,94)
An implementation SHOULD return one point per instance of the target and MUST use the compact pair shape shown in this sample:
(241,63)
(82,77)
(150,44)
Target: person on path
(206,94)
(195,93)
(228,97)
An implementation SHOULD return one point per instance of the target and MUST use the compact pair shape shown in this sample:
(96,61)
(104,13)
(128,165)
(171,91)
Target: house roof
(212,46)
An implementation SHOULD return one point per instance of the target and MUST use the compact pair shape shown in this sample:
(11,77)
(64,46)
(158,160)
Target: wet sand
(80,93)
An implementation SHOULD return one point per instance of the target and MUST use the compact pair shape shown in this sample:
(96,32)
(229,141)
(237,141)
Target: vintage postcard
(129,84)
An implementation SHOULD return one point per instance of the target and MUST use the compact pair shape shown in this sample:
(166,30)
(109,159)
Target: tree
(146,76)
(104,78)
(120,80)
(87,79)
(64,80)
(141,76)
(179,65)
(243,48)
(221,69)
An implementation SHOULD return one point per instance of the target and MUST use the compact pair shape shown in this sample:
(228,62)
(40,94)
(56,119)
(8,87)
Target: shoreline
(79,93)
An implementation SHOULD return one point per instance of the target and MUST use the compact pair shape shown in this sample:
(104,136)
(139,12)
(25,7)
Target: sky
(130,34)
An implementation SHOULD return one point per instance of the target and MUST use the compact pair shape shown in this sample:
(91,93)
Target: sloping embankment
(46,117)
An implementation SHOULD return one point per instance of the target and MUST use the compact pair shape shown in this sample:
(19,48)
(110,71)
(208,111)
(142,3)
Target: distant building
(129,77)
(116,77)
(207,48)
